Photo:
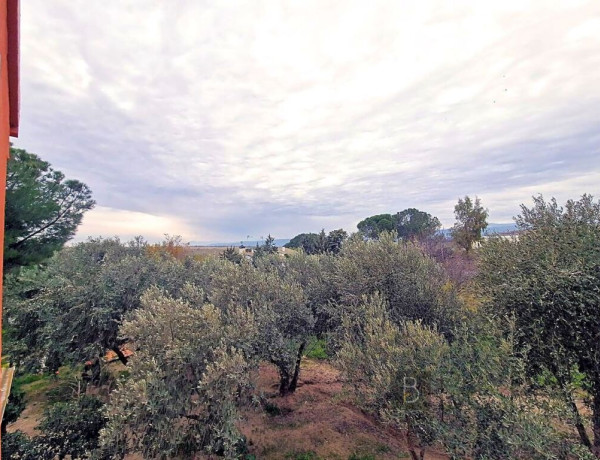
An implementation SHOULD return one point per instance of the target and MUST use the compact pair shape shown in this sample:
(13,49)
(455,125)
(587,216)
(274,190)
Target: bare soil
(29,419)
(317,419)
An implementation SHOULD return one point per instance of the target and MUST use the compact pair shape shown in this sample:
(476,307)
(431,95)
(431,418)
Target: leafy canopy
(471,220)
(548,278)
(187,379)
(372,226)
(319,243)
(70,311)
(459,394)
(414,224)
(409,224)
(43,209)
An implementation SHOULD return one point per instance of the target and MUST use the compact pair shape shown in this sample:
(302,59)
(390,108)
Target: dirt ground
(31,415)
(317,419)
(317,422)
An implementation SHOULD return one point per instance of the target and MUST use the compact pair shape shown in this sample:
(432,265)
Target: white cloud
(108,222)
(235,118)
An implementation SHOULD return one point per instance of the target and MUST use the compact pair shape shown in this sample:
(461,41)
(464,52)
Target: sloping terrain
(317,422)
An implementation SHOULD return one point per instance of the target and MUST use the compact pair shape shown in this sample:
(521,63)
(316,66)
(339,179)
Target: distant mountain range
(491,229)
(279,242)
(500,228)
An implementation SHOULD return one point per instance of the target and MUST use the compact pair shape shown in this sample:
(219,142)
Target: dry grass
(317,419)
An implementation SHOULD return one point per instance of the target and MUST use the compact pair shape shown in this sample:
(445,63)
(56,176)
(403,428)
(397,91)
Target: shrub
(467,394)
(19,446)
(73,427)
(187,380)
(14,406)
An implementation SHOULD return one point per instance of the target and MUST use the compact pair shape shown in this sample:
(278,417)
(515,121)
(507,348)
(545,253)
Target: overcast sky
(219,120)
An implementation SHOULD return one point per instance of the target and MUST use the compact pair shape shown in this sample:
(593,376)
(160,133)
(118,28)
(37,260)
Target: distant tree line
(319,243)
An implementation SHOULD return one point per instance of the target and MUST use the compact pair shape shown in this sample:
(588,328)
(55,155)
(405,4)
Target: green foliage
(479,385)
(27,379)
(372,226)
(413,285)
(67,384)
(265,249)
(414,224)
(18,445)
(335,239)
(187,379)
(409,224)
(465,394)
(70,312)
(316,349)
(15,405)
(73,427)
(67,429)
(282,313)
(43,209)
(321,243)
(232,255)
(308,242)
(471,220)
(548,278)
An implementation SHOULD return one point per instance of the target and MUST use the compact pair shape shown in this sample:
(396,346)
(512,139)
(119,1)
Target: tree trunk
(583,436)
(294,383)
(284,381)
(596,421)
(120,355)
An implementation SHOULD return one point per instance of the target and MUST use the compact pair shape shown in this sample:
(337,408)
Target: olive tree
(464,394)
(188,377)
(548,277)
(282,313)
(413,285)
(76,304)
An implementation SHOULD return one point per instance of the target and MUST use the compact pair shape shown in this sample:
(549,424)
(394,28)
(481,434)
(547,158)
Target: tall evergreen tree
(43,209)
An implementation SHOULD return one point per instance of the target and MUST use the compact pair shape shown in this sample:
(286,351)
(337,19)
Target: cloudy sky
(218,120)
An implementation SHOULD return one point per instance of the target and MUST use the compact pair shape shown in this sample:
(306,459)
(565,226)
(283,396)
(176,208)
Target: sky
(231,120)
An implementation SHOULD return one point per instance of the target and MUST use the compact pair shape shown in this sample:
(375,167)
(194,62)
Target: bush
(187,380)
(467,395)
(73,428)
(19,446)
(413,286)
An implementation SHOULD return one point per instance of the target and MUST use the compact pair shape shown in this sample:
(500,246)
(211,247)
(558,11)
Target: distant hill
(279,242)
(500,228)
(491,229)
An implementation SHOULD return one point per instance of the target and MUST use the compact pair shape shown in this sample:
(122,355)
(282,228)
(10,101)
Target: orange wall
(4,134)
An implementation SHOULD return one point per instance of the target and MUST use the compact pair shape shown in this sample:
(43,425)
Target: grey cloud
(245,119)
